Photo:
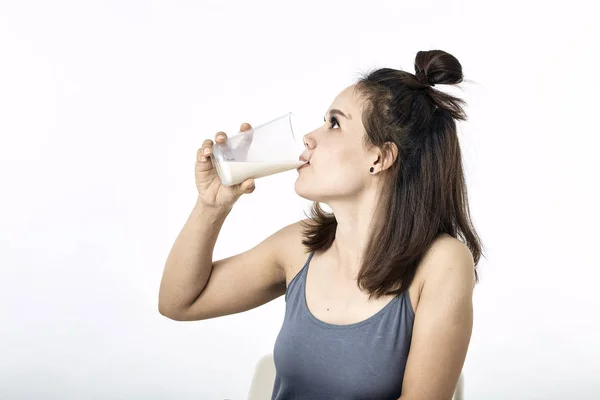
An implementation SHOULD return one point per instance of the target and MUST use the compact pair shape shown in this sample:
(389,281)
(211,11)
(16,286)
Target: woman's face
(338,160)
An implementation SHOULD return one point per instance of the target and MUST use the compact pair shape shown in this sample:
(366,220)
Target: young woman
(378,292)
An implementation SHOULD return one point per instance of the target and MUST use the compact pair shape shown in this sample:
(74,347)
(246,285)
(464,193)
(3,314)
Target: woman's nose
(309,141)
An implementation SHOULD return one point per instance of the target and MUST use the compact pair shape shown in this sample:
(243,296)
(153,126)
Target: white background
(104,104)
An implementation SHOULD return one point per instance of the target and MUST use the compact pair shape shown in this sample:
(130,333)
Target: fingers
(203,152)
(221,137)
(206,150)
(246,130)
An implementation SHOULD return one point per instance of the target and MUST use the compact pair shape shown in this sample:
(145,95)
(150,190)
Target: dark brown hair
(425,193)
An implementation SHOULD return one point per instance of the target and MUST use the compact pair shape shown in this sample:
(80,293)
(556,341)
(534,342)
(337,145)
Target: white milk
(234,172)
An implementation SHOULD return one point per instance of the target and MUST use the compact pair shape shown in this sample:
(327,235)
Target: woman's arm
(443,324)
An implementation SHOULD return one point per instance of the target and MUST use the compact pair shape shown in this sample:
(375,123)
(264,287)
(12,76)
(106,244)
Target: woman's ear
(389,153)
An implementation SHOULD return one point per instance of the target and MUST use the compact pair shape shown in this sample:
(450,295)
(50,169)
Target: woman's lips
(303,166)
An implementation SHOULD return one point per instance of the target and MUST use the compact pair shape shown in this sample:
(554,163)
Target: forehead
(349,102)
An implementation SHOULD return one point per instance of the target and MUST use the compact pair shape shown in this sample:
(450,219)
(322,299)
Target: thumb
(245,187)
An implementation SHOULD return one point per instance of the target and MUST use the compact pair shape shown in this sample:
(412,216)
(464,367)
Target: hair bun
(424,78)
(437,66)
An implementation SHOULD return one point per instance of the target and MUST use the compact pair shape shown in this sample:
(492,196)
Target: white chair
(261,387)
(263,380)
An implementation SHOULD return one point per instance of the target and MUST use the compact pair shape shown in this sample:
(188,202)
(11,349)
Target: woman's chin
(303,190)
(298,188)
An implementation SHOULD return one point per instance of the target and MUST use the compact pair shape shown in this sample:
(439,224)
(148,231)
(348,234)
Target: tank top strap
(296,285)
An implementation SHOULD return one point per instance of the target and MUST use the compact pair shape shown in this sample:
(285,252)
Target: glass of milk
(264,150)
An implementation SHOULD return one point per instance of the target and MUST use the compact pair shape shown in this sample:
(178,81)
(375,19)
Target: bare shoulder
(448,260)
(448,255)
(447,247)
(291,253)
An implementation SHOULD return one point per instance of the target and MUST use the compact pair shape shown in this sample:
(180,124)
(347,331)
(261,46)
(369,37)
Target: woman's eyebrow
(335,111)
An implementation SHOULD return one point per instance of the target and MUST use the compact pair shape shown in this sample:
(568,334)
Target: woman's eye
(333,121)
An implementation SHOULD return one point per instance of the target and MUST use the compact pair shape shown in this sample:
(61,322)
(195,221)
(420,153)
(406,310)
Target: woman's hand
(211,192)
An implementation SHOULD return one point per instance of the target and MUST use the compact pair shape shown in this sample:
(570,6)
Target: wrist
(211,212)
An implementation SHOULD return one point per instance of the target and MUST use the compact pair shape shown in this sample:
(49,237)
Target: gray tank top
(317,360)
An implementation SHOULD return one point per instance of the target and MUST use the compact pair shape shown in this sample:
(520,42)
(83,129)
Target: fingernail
(206,151)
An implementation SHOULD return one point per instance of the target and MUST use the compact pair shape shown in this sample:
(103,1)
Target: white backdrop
(102,108)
